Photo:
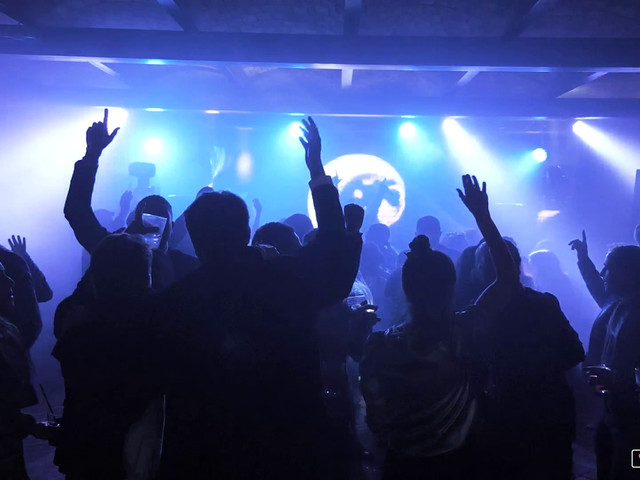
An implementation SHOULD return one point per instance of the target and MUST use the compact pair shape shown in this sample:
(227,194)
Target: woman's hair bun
(420,245)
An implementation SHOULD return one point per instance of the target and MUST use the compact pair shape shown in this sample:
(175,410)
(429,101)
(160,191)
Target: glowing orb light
(368,181)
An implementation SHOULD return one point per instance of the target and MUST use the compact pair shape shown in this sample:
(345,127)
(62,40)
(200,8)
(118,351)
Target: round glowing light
(580,128)
(154,109)
(539,155)
(294,129)
(364,179)
(153,146)
(407,130)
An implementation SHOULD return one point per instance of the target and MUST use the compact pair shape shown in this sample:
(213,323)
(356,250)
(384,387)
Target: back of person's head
(155,205)
(428,281)
(121,266)
(217,220)
(622,270)
(544,263)
(484,271)
(378,233)
(300,223)
(455,241)
(278,235)
(429,226)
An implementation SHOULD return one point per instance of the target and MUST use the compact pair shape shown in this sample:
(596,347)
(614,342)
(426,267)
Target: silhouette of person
(419,378)
(531,416)
(278,235)
(16,391)
(614,353)
(108,365)
(430,226)
(244,393)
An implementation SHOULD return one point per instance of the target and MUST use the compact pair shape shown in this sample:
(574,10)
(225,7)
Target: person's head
(159,206)
(6,292)
(621,272)
(310,237)
(278,235)
(300,223)
(544,263)
(484,272)
(428,281)
(121,266)
(455,241)
(217,220)
(379,234)
(430,227)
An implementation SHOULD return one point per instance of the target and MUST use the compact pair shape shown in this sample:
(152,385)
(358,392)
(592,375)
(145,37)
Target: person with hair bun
(418,378)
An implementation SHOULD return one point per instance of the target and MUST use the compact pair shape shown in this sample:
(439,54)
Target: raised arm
(77,207)
(322,273)
(589,272)
(43,290)
(507,282)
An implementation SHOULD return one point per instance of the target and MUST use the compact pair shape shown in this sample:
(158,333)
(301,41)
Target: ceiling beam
(346,102)
(324,51)
(179,14)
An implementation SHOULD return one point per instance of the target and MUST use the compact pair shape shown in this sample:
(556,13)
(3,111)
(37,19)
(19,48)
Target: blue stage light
(539,155)
(407,131)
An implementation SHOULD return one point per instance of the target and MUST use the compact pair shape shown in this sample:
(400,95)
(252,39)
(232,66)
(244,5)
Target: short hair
(300,223)
(120,265)
(378,232)
(215,220)
(278,235)
(155,205)
(428,225)
(428,277)
(627,259)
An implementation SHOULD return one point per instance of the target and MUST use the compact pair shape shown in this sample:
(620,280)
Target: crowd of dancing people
(207,348)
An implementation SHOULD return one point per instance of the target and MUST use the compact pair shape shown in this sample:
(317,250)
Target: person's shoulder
(185,259)
(12,260)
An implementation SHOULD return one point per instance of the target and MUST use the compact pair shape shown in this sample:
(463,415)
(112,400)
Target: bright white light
(407,130)
(117,116)
(362,179)
(618,153)
(539,155)
(154,109)
(212,112)
(153,146)
(294,129)
(154,61)
(580,128)
(449,125)
(244,167)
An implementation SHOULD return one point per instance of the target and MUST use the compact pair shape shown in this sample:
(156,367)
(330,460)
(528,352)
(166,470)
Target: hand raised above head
(18,245)
(474,197)
(125,200)
(580,246)
(257,205)
(312,144)
(98,136)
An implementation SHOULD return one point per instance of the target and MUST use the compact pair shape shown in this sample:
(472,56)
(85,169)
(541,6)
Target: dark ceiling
(513,58)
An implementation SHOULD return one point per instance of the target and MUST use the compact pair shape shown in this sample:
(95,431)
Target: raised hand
(474,197)
(312,144)
(353,217)
(257,205)
(18,245)
(580,246)
(98,136)
(125,201)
